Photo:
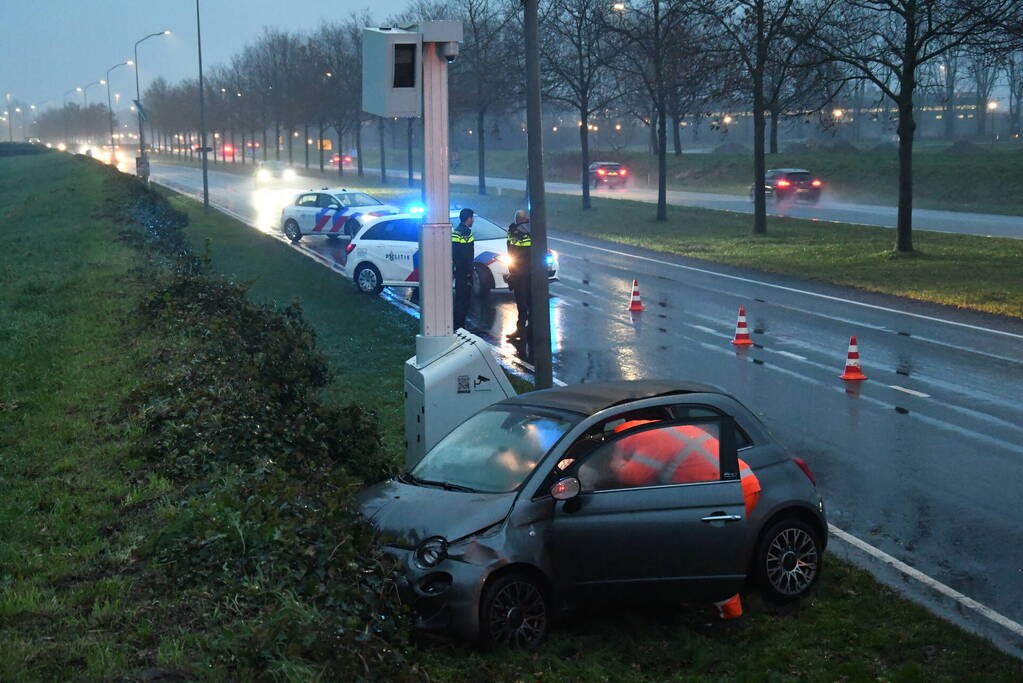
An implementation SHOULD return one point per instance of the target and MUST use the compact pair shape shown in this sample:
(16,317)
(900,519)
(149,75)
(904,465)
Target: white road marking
(707,330)
(909,391)
(789,354)
(967,602)
(796,290)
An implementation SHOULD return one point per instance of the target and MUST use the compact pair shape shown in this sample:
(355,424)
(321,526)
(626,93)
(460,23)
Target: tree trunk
(481,151)
(662,162)
(949,112)
(305,139)
(358,145)
(214,136)
(411,173)
(775,113)
(291,141)
(265,152)
(319,146)
(243,147)
(907,128)
(676,135)
(383,155)
(759,163)
(340,153)
(584,146)
(234,149)
(277,141)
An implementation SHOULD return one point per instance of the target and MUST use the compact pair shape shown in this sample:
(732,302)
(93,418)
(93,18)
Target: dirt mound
(963,147)
(843,147)
(731,148)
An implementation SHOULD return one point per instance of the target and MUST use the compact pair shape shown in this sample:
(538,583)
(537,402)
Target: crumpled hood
(404,514)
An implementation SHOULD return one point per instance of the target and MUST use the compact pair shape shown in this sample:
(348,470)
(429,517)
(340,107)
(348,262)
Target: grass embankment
(122,555)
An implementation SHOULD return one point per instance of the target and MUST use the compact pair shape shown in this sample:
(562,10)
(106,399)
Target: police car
(329,213)
(385,253)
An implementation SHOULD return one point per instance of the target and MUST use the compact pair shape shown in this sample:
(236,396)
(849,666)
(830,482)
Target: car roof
(787,170)
(606,163)
(590,398)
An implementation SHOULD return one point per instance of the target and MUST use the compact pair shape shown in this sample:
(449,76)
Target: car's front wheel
(788,560)
(292,231)
(514,612)
(368,280)
(482,281)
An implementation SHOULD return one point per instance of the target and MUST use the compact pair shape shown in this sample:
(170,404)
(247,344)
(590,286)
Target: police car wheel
(788,561)
(482,281)
(367,279)
(514,612)
(291,231)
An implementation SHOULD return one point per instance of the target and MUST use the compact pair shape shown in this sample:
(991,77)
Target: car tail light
(623,171)
(601,171)
(783,183)
(816,183)
(806,470)
(350,247)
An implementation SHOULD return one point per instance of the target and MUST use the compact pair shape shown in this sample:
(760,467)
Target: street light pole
(143,162)
(202,119)
(540,312)
(110,109)
(66,140)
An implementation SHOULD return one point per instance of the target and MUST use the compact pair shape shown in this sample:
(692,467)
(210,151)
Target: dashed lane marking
(909,391)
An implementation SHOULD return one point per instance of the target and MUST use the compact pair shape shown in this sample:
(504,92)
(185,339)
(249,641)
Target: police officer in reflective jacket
(463,253)
(520,248)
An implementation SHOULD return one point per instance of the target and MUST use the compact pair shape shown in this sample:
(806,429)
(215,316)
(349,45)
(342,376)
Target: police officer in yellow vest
(520,251)
(463,254)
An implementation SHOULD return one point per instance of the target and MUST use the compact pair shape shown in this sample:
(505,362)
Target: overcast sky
(50,46)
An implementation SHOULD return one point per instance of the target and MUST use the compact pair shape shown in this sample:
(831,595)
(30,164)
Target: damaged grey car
(604,491)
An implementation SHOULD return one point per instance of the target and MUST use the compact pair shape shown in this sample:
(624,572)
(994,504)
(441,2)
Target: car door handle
(721,517)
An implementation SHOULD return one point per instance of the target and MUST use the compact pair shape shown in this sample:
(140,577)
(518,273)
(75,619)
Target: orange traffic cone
(741,331)
(852,363)
(635,305)
(730,608)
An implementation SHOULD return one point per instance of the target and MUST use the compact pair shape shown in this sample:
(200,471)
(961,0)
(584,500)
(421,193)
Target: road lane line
(934,584)
(795,290)
(909,391)
(789,354)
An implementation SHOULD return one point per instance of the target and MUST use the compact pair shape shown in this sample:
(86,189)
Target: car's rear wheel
(367,279)
(788,560)
(292,231)
(514,612)
(482,281)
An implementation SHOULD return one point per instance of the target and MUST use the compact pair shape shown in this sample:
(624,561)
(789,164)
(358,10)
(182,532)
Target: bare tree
(888,42)
(578,51)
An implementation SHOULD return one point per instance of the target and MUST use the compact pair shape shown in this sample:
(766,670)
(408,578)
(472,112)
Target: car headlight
(430,552)
(289,174)
(263,174)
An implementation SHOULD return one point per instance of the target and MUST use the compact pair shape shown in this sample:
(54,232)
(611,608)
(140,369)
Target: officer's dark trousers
(522,288)
(463,294)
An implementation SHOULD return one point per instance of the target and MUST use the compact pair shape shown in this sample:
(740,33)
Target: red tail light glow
(601,171)
(816,183)
(806,470)
(350,248)
(623,171)
(783,183)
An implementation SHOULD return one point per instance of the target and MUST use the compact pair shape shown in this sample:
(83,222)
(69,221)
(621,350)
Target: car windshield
(485,229)
(356,199)
(800,176)
(494,451)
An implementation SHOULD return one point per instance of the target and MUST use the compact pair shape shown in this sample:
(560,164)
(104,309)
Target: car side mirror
(566,489)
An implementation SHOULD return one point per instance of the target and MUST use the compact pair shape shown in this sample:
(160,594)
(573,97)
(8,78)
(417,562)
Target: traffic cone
(741,331)
(635,305)
(730,608)
(852,363)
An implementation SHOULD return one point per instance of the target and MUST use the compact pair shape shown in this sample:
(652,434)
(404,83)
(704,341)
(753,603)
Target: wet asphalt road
(924,460)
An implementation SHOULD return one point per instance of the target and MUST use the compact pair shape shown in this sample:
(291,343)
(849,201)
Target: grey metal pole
(110,110)
(138,100)
(539,317)
(202,119)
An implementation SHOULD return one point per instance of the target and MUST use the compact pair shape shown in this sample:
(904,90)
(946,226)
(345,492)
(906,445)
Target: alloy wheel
(792,561)
(518,615)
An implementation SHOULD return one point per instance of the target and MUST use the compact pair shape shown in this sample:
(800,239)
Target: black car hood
(404,514)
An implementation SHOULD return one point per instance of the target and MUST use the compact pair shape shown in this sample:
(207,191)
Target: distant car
(791,183)
(267,172)
(332,213)
(524,508)
(608,174)
(337,157)
(385,253)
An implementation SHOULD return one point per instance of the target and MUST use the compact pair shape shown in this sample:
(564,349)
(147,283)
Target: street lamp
(85,92)
(144,162)
(991,107)
(65,112)
(110,110)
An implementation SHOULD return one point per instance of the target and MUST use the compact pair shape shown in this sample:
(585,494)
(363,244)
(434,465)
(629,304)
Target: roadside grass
(71,515)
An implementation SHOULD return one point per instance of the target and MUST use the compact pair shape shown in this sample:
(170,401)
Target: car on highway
(270,172)
(791,183)
(336,159)
(608,174)
(330,212)
(524,509)
(384,252)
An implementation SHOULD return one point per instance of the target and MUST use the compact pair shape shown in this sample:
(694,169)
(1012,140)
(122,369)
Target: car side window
(325,200)
(687,412)
(306,200)
(677,453)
